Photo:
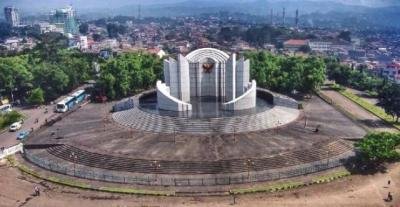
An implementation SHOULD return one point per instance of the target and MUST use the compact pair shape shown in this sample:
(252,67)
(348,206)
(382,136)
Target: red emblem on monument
(207,67)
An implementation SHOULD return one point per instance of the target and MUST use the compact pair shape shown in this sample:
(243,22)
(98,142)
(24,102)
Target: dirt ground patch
(358,190)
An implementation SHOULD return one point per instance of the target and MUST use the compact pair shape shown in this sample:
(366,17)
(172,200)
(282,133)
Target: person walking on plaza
(37,191)
(389,197)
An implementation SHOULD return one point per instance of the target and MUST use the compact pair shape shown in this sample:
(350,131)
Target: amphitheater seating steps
(140,120)
(320,151)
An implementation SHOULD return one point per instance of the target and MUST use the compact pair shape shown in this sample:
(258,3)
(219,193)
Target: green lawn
(377,111)
(7,119)
(77,184)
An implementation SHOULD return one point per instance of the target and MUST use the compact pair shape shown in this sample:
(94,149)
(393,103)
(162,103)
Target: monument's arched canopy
(200,54)
(206,72)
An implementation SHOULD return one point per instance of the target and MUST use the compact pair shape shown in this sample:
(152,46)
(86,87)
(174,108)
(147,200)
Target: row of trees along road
(385,90)
(286,74)
(389,99)
(357,78)
(129,73)
(46,72)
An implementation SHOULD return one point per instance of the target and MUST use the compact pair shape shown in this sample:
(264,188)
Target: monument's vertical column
(173,77)
(242,76)
(166,72)
(183,79)
(230,78)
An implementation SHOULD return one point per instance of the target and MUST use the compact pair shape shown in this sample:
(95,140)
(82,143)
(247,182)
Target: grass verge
(292,185)
(278,187)
(80,185)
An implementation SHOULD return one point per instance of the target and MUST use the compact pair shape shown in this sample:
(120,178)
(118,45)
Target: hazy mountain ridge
(313,12)
(32,6)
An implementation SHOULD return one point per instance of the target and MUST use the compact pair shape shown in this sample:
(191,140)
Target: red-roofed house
(294,44)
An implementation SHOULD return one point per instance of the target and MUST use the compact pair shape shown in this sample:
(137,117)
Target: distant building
(66,18)
(157,51)
(318,46)
(105,54)
(83,40)
(392,71)
(294,44)
(357,54)
(12,16)
(46,27)
(12,43)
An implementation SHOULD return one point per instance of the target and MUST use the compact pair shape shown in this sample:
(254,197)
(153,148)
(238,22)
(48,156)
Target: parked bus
(66,104)
(5,108)
(79,96)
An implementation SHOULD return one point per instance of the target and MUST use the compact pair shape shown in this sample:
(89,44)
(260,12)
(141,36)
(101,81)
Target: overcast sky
(33,6)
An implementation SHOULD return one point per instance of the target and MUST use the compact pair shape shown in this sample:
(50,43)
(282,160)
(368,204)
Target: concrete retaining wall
(168,102)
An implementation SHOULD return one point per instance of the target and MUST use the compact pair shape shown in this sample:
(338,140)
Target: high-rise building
(272,16)
(139,12)
(66,18)
(283,16)
(12,16)
(297,18)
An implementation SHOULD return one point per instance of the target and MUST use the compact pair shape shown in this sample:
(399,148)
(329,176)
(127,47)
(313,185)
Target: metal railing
(186,180)
(11,150)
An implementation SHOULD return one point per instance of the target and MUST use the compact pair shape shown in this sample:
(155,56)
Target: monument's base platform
(108,151)
(208,116)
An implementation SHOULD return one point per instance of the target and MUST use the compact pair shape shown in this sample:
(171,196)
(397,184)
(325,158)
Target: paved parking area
(91,128)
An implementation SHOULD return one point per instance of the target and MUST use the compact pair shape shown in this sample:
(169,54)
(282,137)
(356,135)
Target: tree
(51,78)
(15,75)
(50,44)
(97,37)
(305,49)
(128,73)
(114,30)
(345,35)
(286,74)
(389,97)
(313,74)
(379,147)
(84,28)
(5,30)
(9,118)
(36,97)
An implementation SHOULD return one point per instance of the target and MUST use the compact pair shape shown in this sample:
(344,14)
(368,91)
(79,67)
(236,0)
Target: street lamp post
(248,163)
(234,134)
(74,158)
(156,165)
(174,136)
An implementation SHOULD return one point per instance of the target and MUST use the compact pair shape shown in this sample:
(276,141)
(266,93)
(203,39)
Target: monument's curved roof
(217,55)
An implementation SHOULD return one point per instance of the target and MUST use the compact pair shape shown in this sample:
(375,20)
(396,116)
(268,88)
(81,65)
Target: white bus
(79,96)
(5,108)
(66,104)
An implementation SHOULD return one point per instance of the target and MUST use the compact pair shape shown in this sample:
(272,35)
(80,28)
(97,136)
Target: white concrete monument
(206,72)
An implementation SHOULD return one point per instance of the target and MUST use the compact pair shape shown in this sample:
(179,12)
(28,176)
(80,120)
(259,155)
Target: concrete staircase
(140,120)
(317,152)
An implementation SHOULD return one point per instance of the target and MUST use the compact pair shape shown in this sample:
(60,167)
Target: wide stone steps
(141,120)
(317,152)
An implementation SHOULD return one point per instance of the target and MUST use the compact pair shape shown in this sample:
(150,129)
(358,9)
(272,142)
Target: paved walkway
(369,120)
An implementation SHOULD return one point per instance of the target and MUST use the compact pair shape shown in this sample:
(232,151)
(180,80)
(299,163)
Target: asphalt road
(8,138)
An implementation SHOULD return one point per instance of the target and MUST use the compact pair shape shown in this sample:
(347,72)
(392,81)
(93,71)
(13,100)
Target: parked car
(16,126)
(22,135)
